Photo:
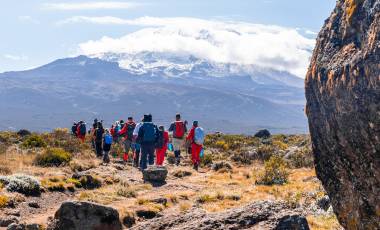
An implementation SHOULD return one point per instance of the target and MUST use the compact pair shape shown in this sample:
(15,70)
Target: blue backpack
(149,131)
(199,136)
(108,139)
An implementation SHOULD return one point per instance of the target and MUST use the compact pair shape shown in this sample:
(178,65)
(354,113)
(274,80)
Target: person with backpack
(126,133)
(196,137)
(116,131)
(98,139)
(81,131)
(107,143)
(161,145)
(74,129)
(147,137)
(178,130)
(137,146)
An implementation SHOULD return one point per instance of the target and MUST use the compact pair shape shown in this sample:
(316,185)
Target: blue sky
(35,32)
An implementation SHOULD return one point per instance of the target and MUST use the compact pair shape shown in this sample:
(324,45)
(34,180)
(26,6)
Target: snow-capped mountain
(223,97)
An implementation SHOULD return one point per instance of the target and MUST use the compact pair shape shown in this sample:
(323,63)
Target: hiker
(98,139)
(178,130)
(95,124)
(137,154)
(116,131)
(161,145)
(81,131)
(196,137)
(126,133)
(107,143)
(74,129)
(147,136)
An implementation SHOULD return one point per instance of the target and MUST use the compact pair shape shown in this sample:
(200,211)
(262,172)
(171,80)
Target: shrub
(275,172)
(34,141)
(4,201)
(5,170)
(301,158)
(217,166)
(3,148)
(182,173)
(24,184)
(90,182)
(53,157)
(207,159)
(61,138)
(206,198)
(126,192)
(242,158)
(264,152)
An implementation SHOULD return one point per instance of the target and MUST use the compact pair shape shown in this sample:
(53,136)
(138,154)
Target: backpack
(98,135)
(108,139)
(82,129)
(130,128)
(179,129)
(199,136)
(149,132)
(117,130)
(160,140)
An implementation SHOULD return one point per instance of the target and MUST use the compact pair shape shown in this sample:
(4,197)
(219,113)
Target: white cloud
(15,57)
(266,46)
(89,5)
(28,19)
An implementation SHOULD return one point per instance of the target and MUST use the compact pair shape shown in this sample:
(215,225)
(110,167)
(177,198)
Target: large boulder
(73,215)
(343,107)
(155,174)
(264,133)
(258,215)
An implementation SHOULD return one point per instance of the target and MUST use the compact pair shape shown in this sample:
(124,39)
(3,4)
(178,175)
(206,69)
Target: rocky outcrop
(74,215)
(343,107)
(259,215)
(155,174)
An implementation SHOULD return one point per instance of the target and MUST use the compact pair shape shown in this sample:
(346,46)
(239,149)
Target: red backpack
(179,129)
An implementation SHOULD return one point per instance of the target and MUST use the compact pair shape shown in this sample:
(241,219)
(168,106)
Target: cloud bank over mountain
(265,46)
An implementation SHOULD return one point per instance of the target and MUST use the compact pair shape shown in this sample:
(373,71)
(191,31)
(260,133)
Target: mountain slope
(223,97)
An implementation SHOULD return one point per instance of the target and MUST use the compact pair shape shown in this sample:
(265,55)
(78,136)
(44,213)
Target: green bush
(302,158)
(61,138)
(53,157)
(34,141)
(207,159)
(275,172)
(265,152)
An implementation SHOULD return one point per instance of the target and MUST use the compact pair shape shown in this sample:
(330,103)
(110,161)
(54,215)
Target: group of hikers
(148,142)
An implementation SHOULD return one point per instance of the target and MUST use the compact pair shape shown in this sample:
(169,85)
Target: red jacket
(124,130)
(191,134)
(166,138)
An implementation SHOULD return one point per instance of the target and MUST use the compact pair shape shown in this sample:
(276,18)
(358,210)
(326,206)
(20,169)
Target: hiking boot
(177,161)
(196,166)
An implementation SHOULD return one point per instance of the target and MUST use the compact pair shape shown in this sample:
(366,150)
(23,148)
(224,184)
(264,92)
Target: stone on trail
(264,133)
(155,174)
(75,215)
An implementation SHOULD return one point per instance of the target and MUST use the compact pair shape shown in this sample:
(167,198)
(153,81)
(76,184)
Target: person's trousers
(137,155)
(98,149)
(147,155)
(82,138)
(195,153)
(160,155)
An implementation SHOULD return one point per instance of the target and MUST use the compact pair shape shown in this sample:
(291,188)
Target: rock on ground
(73,215)
(258,215)
(343,107)
(155,174)
(264,133)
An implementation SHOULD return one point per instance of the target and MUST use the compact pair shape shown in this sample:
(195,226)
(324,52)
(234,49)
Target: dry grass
(323,222)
